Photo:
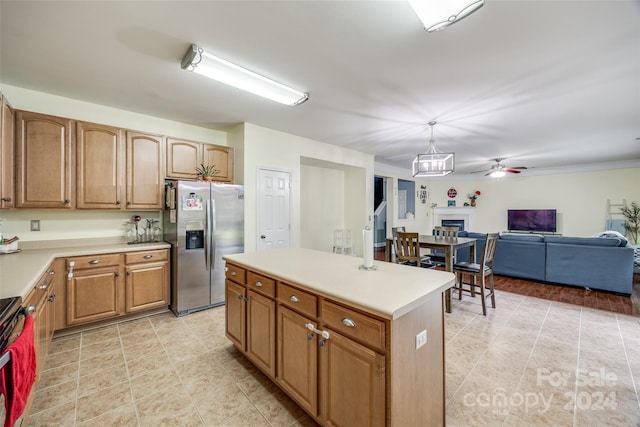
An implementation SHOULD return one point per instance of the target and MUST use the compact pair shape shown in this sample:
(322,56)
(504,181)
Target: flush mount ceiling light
(208,65)
(439,14)
(433,163)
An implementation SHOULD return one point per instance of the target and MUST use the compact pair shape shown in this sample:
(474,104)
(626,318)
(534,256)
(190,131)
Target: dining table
(449,245)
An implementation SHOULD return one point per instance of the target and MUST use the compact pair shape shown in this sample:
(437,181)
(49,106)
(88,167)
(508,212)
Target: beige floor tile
(103,401)
(99,348)
(55,360)
(134,326)
(61,374)
(252,418)
(61,415)
(218,407)
(47,398)
(144,348)
(123,416)
(97,380)
(147,363)
(69,342)
(101,361)
(153,381)
(98,335)
(165,407)
(143,335)
(279,410)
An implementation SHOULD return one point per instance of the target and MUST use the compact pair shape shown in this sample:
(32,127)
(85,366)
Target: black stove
(9,310)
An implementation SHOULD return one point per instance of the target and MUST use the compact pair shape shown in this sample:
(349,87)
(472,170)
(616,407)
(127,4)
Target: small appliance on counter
(9,246)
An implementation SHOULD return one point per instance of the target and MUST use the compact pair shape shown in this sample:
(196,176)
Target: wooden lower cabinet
(261,332)
(146,283)
(352,383)
(107,286)
(94,294)
(298,359)
(337,376)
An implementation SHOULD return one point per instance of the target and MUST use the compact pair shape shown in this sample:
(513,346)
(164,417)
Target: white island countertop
(20,271)
(389,292)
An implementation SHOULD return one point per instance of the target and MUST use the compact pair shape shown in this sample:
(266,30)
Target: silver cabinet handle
(147,256)
(348,322)
(226,269)
(240,296)
(294,298)
(52,272)
(94,261)
(6,199)
(43,286)
(233,273)
(259,284)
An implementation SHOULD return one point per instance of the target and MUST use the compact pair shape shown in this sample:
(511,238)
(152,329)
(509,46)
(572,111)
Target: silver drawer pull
(233,273)
(52,272)
(348,322)
(94,261)
(294,298)
(147,256)
(43,286)
(259,284)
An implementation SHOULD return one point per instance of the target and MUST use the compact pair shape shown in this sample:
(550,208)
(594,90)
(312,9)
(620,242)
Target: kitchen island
(350,346)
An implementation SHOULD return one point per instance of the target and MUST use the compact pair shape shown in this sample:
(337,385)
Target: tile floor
(529,362)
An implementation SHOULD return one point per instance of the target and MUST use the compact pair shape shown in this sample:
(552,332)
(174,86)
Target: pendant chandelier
(433,163)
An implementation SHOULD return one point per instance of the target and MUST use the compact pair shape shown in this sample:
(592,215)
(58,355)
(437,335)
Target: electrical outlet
(421,339)
(35,225)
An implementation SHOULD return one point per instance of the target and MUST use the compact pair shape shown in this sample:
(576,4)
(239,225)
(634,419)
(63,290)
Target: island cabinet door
(352,383)
(236,311)
(298,359)
(261,332)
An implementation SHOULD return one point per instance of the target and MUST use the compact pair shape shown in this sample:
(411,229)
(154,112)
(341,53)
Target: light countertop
(20,271)
(389,292)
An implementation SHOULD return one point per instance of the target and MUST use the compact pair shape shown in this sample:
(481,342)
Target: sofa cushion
(474,235)
(611,234)
(586,241)
(522,237)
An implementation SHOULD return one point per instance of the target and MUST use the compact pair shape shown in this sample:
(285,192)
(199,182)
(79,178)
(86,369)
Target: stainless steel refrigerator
(203,222)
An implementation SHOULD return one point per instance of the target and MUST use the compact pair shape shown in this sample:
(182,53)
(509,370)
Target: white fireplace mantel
(465,213)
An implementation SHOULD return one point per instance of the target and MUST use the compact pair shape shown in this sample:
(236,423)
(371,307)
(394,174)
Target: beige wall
(579,198)
(270,149)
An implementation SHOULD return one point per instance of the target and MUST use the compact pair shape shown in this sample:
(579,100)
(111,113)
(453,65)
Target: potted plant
(206,173)
(632,222)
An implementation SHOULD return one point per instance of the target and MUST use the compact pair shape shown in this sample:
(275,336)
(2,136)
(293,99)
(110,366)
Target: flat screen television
(532,220)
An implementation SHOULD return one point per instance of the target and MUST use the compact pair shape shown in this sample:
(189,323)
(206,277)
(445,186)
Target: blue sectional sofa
(593,262)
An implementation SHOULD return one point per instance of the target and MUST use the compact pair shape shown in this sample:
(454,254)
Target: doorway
(380,211)
(274,209)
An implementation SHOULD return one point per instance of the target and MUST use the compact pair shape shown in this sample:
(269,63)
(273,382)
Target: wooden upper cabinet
(182,158)
(7,145)
(145,171)
(44,161)
(100,166)
(222,158)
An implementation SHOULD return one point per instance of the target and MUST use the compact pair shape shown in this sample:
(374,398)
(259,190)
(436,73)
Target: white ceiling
(544,84)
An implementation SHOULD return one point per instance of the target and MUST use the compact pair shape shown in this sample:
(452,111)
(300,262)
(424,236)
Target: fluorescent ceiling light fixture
(439,14)
(433,163)
(208,65)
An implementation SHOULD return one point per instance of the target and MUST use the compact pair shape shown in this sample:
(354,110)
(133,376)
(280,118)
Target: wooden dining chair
(409,251)
(394,234)
(478,274)
(437,256)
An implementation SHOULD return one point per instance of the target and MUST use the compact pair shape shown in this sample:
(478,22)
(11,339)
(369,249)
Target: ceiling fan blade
(485,170)
(486,174)
(511,170)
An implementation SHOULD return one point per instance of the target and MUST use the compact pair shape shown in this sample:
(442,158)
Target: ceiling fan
(500,169)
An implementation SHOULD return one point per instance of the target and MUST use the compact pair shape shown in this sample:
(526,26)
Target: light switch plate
(35,225)
(421,339)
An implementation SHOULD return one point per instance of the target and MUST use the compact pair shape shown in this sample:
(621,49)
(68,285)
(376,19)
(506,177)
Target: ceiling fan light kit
(433,163)
(499,170)
(437,15)
(201,62)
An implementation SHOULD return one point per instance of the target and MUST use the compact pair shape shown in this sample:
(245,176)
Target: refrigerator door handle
(207,236)
(212,228)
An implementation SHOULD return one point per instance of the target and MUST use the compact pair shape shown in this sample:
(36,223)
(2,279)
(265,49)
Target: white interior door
(274,210)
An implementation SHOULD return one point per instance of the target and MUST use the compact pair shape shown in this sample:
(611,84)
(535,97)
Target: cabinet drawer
(262,284)
(146,256)
(94,261)
(358,326)
(298,300)
(235,273)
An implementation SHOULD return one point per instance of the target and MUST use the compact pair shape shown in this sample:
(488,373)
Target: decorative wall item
(451,203)
(473,196)
(422,194)
(452,193)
